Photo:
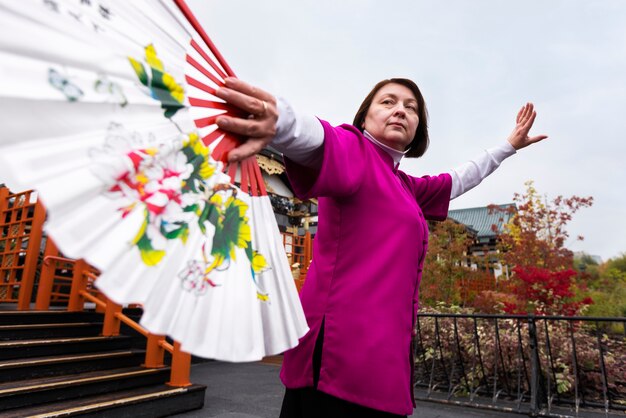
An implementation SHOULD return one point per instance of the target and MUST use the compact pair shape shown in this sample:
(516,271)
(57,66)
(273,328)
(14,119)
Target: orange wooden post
(46,278)
(154,351)
(112,323)
(32,257)
(307,249)
(4,200)
(79,283)
(4,206)
(181,367)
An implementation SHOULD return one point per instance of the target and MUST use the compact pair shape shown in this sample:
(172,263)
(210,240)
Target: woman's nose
(399,111)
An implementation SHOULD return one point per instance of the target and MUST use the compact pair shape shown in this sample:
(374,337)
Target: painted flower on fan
(228,215)
(205,168)
(156,184)
(166,182)
(193,278)
(258,264)
(162,85)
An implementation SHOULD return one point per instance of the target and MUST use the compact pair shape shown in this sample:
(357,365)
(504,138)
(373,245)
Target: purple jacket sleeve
(433,195)
(342,167)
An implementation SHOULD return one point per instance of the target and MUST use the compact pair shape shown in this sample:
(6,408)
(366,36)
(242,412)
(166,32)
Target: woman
(361,293)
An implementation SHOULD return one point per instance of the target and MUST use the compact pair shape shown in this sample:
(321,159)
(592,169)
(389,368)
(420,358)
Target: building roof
(483,218)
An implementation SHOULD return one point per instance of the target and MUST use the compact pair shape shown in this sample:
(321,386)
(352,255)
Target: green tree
(607,287)
(617,263)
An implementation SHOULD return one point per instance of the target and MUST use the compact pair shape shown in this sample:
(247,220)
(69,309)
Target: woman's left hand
(525,118)
(260,128)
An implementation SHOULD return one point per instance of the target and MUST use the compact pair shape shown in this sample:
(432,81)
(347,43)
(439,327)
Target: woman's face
(392,117)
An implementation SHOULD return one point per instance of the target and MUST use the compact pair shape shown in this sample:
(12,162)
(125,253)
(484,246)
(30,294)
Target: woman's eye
(412,108)
(387,101)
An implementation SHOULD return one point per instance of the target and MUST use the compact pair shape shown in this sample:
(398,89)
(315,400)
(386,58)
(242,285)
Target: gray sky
(476,63)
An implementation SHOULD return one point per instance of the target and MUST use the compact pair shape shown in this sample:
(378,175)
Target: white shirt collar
(394,153)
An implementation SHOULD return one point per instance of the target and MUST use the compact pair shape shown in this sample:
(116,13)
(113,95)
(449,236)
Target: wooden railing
(55,278)
(21,226)
(82,290)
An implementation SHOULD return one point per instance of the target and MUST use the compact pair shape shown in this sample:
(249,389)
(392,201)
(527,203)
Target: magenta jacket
(367,264)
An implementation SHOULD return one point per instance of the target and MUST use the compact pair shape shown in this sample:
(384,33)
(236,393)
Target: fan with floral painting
(109,112)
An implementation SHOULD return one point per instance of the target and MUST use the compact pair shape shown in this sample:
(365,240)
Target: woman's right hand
(259,128)
(519,138)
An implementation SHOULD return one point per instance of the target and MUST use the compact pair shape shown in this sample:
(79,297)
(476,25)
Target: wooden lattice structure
(299,251)
(21,225)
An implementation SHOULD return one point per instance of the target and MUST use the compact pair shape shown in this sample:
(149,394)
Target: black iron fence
(539,365)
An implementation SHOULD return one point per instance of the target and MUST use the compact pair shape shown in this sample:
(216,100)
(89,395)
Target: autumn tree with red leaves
(536,234)
(544,292)
(533,242)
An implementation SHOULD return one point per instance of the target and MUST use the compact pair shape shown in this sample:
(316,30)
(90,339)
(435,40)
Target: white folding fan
(109,112)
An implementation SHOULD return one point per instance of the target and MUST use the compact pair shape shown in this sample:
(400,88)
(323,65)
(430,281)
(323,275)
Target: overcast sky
(476,63)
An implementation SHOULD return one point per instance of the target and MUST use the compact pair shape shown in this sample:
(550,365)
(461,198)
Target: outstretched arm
(274,122)
(467,176)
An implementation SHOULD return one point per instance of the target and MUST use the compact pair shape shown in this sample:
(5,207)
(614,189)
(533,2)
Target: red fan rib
(204,122)
(253,172)
(208,59)
(227,143)
(261,183)
(245,180)
(196,25)
(210,138)
(209,104)
(203,70)
(232,172)
(253,183)
(197,84)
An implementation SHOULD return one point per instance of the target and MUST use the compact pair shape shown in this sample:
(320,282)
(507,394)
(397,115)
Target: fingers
(252,100)
(249,148)
(519,115)
(530,110)
(528,123)
(525,119)
(247,103)
(247,89)
(536,139)
(260,128)
(254,128)
(525,113)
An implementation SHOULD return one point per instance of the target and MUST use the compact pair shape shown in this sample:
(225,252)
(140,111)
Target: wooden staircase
(56,363)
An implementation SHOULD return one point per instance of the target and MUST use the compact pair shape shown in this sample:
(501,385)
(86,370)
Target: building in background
(485,224)
(296,219)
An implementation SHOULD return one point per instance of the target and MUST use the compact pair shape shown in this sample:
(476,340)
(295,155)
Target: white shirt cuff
(299,137)
(469,175)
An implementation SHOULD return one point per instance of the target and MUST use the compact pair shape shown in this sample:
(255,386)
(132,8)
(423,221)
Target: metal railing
(539,365)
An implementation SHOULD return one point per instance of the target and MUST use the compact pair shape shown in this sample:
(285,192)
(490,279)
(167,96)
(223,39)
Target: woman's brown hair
(419,145)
